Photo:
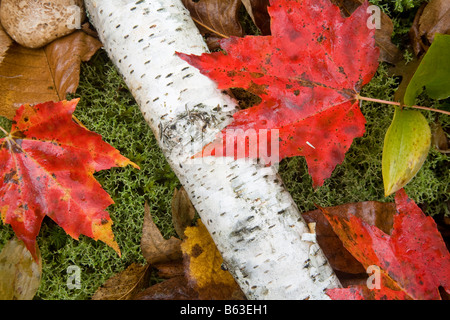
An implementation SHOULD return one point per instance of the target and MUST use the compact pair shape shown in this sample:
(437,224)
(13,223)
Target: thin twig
(400,104)
(4,131)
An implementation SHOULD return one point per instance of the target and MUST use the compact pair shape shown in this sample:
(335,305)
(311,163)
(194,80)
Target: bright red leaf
(413,259)
(46,168)
(307,73)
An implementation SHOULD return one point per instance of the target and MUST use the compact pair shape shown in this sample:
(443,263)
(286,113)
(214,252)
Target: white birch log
(250,215)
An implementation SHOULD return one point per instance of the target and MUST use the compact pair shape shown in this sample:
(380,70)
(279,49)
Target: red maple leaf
(413,259)
(46,168)
(308,73)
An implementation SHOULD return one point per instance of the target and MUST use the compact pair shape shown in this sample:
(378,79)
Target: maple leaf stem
(358,97)
(210,29)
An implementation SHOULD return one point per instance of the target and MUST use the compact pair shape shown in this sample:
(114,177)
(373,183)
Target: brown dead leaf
(65,56)
(124,285)
(416,40)
(439,138)
(257,10)
(372,212)
(24,78)
(47,74)
(170,269)
(388,51)
(182,211)
(216,19)
(430,19)
(176,288)
(339,257)
(435,19)
(405,70)
(154,247)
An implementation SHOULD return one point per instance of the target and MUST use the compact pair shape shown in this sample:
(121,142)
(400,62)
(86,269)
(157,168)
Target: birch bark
(252,218)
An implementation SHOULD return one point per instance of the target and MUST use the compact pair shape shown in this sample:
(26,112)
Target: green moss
(395,6)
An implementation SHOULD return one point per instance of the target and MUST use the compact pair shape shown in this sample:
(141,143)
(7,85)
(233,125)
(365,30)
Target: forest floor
(107,107)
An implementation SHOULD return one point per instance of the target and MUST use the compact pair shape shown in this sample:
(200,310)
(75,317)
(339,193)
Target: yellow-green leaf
(406,147)
(433,73)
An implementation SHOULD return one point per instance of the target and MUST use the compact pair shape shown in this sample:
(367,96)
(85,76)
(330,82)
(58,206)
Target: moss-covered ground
(107,108)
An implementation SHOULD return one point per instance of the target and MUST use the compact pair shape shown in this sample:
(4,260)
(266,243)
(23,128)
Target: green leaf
(405,149)
(433,72)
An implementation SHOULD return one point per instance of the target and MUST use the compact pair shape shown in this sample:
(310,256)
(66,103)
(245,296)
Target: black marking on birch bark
(307,263)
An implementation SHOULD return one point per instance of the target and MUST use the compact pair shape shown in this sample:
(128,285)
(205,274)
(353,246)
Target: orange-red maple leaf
(46,168)
(308,73)
(413,259)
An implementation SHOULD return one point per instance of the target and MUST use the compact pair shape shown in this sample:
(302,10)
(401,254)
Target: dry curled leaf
(439,138)
(216,19)
(431,18)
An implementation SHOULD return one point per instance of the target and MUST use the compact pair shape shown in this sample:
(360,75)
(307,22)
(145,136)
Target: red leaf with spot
(46,168)
(413,260)
(308,73)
